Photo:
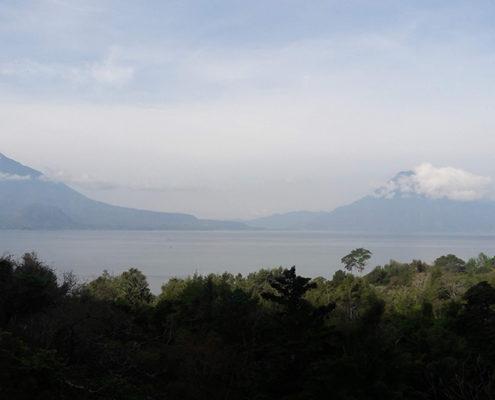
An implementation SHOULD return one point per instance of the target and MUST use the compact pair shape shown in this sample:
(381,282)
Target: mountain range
(30,200)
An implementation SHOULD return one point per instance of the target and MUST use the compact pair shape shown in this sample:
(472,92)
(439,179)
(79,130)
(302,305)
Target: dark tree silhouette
(289,290)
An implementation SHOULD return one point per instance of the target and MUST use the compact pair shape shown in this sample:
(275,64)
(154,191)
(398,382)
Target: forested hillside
(400,331)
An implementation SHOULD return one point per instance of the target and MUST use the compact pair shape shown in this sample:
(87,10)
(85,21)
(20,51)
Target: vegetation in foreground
(403,331)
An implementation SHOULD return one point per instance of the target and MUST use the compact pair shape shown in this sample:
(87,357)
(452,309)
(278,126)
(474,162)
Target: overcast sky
(237,109)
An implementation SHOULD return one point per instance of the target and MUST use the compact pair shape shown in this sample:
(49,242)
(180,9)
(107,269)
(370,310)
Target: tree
(481,264)
(130,287)
(339,277)
(134,288)
(477,321)
(34,286)
(290,289)
(357,259)
(104,287)
(450,262)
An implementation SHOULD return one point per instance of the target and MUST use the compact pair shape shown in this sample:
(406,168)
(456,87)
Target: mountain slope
(409,215)
(28,200)
(14,170)
(289,221)
(393,209)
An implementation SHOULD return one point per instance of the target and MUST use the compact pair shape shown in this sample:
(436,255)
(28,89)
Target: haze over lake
(161,255)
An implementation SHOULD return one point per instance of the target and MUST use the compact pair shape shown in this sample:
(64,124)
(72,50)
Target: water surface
(161,255)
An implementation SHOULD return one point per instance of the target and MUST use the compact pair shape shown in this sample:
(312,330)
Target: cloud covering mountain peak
(433,182)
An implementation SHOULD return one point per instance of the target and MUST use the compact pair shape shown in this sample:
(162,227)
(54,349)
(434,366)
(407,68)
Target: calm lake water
(161,255)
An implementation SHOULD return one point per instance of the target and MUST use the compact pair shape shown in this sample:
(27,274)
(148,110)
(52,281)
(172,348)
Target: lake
(164,254)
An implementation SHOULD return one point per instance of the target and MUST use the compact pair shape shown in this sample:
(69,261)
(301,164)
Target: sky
(235,109)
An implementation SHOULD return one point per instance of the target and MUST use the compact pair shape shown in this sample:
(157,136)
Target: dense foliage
(403,331)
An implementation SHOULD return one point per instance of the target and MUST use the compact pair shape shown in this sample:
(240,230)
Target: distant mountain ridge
(13,169)
(394,208)
(29,200)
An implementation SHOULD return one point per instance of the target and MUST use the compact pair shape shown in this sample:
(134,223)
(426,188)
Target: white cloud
(89,182)
(452,183)
(108,72)
(436,183)
(12,177)
(83,180)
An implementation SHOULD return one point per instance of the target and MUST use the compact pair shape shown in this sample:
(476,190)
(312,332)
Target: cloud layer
(437,183)
(107,72)
(256,107)
(12,177)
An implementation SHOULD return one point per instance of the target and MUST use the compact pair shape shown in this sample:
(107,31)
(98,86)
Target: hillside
(393,211)
(29,200)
